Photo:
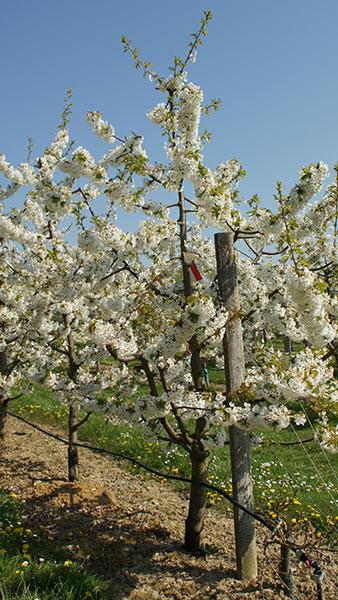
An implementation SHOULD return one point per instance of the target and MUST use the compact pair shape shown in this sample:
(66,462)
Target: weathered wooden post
(246,554)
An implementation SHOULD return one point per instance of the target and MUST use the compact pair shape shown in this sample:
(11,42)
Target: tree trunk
(3,419)
(287,344)
(285,572)
(3,401)
(197,365)
(198,499)
(73,456)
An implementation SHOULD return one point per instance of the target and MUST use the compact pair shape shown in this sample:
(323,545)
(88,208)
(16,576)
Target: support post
(245,538)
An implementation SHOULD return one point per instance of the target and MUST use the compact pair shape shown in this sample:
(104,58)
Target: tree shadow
(119,545)
(22,467)
(116,544)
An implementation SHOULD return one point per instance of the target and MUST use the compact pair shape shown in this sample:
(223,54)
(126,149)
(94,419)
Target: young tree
(50,285)
(150,301)
(179,353)
(19,312)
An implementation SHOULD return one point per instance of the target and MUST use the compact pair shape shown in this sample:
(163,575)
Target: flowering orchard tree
(19,308)
(149,299)
(178,325)
(50,286)
(177,322)
(14,318)
(63,283)
(298,300)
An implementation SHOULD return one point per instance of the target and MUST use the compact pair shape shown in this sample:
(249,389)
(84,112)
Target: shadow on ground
(116,544)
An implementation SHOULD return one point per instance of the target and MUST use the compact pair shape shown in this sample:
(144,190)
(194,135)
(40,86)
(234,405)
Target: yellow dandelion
(68,563)
(18,530)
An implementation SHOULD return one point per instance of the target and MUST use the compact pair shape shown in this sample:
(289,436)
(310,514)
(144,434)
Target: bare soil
(129,528)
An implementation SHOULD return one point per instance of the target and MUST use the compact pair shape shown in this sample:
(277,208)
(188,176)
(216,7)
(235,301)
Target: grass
(296,483)
(46,582)
(32,568)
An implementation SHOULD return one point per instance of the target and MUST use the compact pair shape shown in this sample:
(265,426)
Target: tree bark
(198,455)
(3,401)
(198,499)
(287,344)
(73,455)
(3,419)
(197,365)
(285,572)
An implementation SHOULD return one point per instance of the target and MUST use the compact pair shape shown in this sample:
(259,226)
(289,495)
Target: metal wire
(313,464)
(294,480)
(323,451)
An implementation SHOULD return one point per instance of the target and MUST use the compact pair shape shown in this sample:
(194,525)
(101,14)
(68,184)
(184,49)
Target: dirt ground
(129,528)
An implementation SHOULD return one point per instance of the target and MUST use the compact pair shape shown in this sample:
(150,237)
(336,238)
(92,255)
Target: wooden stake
(246,554)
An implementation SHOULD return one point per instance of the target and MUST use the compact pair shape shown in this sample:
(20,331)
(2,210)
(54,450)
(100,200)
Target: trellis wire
(323,451)
(294,480)
(313,463)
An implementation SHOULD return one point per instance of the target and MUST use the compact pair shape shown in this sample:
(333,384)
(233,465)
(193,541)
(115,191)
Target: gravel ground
(129,528)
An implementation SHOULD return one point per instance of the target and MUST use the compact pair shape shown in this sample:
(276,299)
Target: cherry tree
(179,324)
(149,299)
(50,285)
(19,311)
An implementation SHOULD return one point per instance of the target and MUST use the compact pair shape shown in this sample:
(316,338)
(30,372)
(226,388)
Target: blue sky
(273,63)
